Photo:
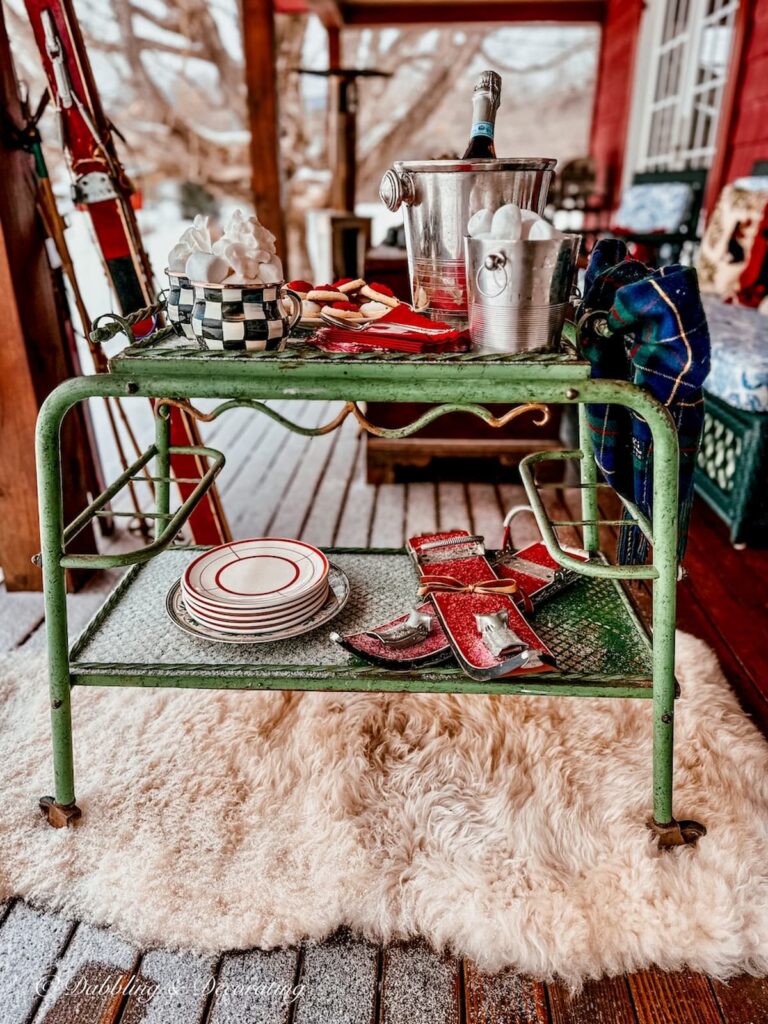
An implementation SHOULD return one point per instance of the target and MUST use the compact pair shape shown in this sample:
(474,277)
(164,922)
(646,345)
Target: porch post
(261,83)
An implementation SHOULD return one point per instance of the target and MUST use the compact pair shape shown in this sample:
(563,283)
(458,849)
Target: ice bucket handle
(397,188)
(493,262)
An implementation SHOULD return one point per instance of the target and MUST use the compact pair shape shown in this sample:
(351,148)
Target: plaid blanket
(659,341)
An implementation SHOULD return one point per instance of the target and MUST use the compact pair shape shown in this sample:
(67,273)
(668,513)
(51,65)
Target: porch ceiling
(337,13)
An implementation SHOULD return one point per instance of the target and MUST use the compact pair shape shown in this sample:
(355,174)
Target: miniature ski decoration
(419,639)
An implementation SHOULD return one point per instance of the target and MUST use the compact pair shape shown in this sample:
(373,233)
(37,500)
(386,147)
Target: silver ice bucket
(438,198)
(519,291)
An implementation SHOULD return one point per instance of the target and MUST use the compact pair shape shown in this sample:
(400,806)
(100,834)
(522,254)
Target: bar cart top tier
(303,363)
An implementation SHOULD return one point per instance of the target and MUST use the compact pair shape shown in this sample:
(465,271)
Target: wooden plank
(606,1001)
(420,509)
(388,525)
(257,493)
(742,1000)
(339,980)
(503,998)
(425,12)
(256,987)
(524,530)
(327,506)
(354,526)
(452,507)
(296,505)
(258,19)
(20,615)
(80,607)
(170,988)
(252,453)
(239,433)
(673,998)
(92,979)
(419,986)
(485,513)
(31,942)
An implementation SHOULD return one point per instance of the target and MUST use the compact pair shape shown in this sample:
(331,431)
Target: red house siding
(613,95)
(744,134)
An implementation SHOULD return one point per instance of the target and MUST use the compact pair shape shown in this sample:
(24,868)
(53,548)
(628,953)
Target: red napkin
(391,333)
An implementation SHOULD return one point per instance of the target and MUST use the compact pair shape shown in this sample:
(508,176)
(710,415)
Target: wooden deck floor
(54,971)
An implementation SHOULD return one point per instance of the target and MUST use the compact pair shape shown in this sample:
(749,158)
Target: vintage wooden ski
(100,183)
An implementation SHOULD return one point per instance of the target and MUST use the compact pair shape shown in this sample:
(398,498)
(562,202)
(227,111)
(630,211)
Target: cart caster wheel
(59,815)
(677,833)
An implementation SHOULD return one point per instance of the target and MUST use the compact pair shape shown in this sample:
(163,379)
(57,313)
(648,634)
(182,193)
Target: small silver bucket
(519,291)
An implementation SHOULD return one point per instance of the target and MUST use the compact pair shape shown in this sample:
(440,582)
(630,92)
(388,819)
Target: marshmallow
(507,222)
(177,258)
(271,272)
(196,238)
(206,268)
(479,223)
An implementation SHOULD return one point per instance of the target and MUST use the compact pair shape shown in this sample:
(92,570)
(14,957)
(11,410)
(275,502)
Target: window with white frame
(683,82)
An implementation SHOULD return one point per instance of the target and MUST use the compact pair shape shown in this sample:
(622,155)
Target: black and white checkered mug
(243,316)
(180,303)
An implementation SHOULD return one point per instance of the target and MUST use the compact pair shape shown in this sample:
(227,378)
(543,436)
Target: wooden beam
(328,11)
(260,78)
(34,358)
(461,12)
(334,47)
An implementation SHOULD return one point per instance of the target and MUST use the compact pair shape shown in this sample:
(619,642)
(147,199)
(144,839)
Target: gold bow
(438,584)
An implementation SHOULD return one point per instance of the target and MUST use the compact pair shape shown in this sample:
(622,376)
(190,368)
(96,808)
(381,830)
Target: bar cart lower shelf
(600,646)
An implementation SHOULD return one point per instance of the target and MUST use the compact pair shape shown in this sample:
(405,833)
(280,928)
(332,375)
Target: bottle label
(484,128)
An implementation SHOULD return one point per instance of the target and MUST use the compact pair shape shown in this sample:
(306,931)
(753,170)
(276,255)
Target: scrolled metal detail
(352,409)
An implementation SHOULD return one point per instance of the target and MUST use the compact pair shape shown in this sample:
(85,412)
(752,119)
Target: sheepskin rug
(506,829)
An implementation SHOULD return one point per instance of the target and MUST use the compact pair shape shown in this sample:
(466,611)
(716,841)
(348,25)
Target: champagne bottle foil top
(489,81)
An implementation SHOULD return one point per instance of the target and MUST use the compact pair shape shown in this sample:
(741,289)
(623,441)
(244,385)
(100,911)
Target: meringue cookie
(542,230)
(507,222)
(479,223)
(374,309)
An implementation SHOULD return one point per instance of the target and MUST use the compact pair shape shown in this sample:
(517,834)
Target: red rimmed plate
(239,616)
(257,574)
(338,593)
(257,623)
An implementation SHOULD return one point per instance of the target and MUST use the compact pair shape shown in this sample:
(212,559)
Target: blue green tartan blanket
(659,341)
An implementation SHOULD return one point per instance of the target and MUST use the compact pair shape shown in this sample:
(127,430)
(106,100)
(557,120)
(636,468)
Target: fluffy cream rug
(508,829)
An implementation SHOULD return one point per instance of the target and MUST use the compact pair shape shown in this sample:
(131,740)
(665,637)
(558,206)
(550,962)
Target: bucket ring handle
(493,263)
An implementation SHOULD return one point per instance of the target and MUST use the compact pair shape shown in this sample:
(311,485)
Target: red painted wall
(746,138)
(613,95)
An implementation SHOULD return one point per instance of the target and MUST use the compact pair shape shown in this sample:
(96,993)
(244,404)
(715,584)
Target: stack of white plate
(256,586)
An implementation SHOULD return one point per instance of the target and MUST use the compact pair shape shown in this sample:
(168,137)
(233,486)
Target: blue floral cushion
(739,336)
(653,207)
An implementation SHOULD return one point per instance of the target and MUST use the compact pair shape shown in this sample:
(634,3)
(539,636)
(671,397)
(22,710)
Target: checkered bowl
(243,317)
(180,302)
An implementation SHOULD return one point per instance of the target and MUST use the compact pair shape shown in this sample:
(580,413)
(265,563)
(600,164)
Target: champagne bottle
(485,103)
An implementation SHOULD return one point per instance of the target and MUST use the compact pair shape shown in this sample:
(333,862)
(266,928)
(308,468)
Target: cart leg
(60,809)
(666,829)
(588,472)
(162,467)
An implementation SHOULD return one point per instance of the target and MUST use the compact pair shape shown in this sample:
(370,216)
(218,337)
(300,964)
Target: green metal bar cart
(600,646)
